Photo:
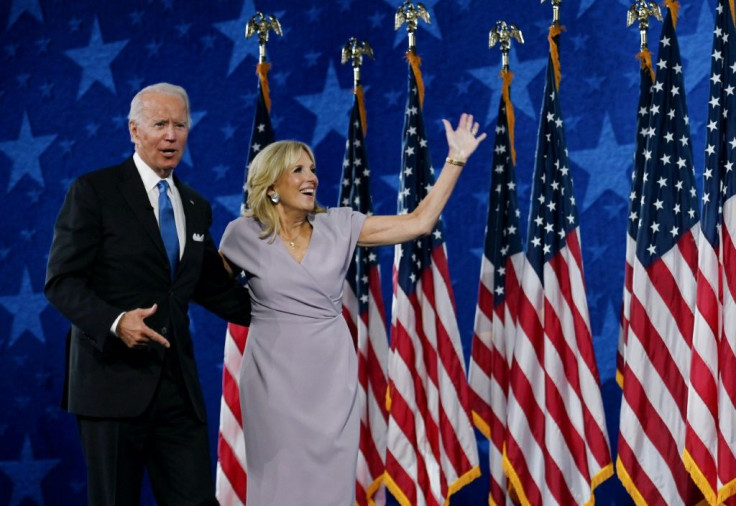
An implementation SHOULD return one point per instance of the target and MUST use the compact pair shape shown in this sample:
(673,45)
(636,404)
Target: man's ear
(133,129)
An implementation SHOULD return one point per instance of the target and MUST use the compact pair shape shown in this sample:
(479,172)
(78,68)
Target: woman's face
(297,187)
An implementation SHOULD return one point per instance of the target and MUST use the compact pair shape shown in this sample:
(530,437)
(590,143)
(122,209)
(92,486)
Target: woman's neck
(292,224)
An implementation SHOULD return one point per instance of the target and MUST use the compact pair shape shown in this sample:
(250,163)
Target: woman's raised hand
(462,141)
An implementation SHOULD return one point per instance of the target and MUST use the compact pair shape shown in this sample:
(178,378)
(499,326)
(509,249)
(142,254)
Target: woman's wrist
(455,161)
(457,154)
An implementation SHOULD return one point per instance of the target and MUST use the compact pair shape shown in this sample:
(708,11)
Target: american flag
(431,449)
(710,435)
(498,295)
(365,313)
(646,79)
(231,479)
(557,447)
(657,354)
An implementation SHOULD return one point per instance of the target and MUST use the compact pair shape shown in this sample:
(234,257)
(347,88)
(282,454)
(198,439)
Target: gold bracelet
(452,161)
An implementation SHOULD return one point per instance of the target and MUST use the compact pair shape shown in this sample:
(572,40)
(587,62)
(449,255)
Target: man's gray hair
(136,105)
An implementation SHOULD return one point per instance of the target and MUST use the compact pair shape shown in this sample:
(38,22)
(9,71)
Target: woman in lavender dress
(298,380)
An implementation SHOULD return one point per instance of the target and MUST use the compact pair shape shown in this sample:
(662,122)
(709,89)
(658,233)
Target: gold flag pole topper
(261,25)
(502,34)
(641,11)
(409,14)
(353,52)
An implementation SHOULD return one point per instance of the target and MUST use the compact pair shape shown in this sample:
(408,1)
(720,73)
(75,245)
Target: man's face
(161,135)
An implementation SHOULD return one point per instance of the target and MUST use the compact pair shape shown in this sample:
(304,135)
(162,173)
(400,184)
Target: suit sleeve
(77,237)
(218,292)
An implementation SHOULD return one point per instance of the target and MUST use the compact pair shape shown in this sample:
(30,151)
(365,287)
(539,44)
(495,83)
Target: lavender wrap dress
(298,379)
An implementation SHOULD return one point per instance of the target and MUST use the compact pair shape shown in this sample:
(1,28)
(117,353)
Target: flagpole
(231,479)
(555,12)
(641,11)
(262,25)
(362,304)
(440,455)
(554,31)
(410,14)
(353,52)
(502,34)
(494,326)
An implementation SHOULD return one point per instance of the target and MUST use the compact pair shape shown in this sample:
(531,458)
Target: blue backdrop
(69,69)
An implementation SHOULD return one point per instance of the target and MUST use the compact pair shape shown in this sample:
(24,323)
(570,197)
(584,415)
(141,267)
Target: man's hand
(133,331)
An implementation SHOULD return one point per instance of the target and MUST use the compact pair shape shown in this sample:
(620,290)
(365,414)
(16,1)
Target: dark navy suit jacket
(107,257)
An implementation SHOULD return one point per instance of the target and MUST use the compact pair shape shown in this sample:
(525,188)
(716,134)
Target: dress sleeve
(353,222)
(234,243)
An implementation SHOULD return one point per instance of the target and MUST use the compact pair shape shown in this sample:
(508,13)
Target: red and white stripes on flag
(230,476)
(646,79)
(657,354)
(231,479)
(365,313)
(557,447)
(494,328)
(710,436)
(431,450)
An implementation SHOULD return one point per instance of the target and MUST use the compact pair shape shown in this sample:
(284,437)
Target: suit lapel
(192,217)
(134,193)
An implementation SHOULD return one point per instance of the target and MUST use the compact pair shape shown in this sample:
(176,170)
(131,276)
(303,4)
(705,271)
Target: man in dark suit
(129,253)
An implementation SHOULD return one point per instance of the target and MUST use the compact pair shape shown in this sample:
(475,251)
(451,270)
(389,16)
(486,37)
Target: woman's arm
(384,230)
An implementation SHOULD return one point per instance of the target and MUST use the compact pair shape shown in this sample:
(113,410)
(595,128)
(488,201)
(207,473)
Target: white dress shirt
(150,180)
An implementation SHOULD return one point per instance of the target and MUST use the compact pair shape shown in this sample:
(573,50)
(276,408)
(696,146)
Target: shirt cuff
(115,324)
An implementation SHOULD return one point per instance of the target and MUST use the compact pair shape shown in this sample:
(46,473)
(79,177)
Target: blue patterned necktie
(167,225)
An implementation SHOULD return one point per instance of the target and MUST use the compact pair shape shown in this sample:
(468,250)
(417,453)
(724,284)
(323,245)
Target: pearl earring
(275,198)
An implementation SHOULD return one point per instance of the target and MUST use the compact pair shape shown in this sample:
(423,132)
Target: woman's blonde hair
(267,166)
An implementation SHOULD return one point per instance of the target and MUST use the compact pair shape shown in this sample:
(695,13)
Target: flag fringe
(645,56)
(699,478)
(395,490)
(620,379)
(733,12)
(507,77)
(371,489)
(599,478)
(514,479)
(674,7)
(262,71)
(415,61)
(463,480)
(361,108)
(481,424)
(727,491)
(401,498)
(628,483)
(554,51)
